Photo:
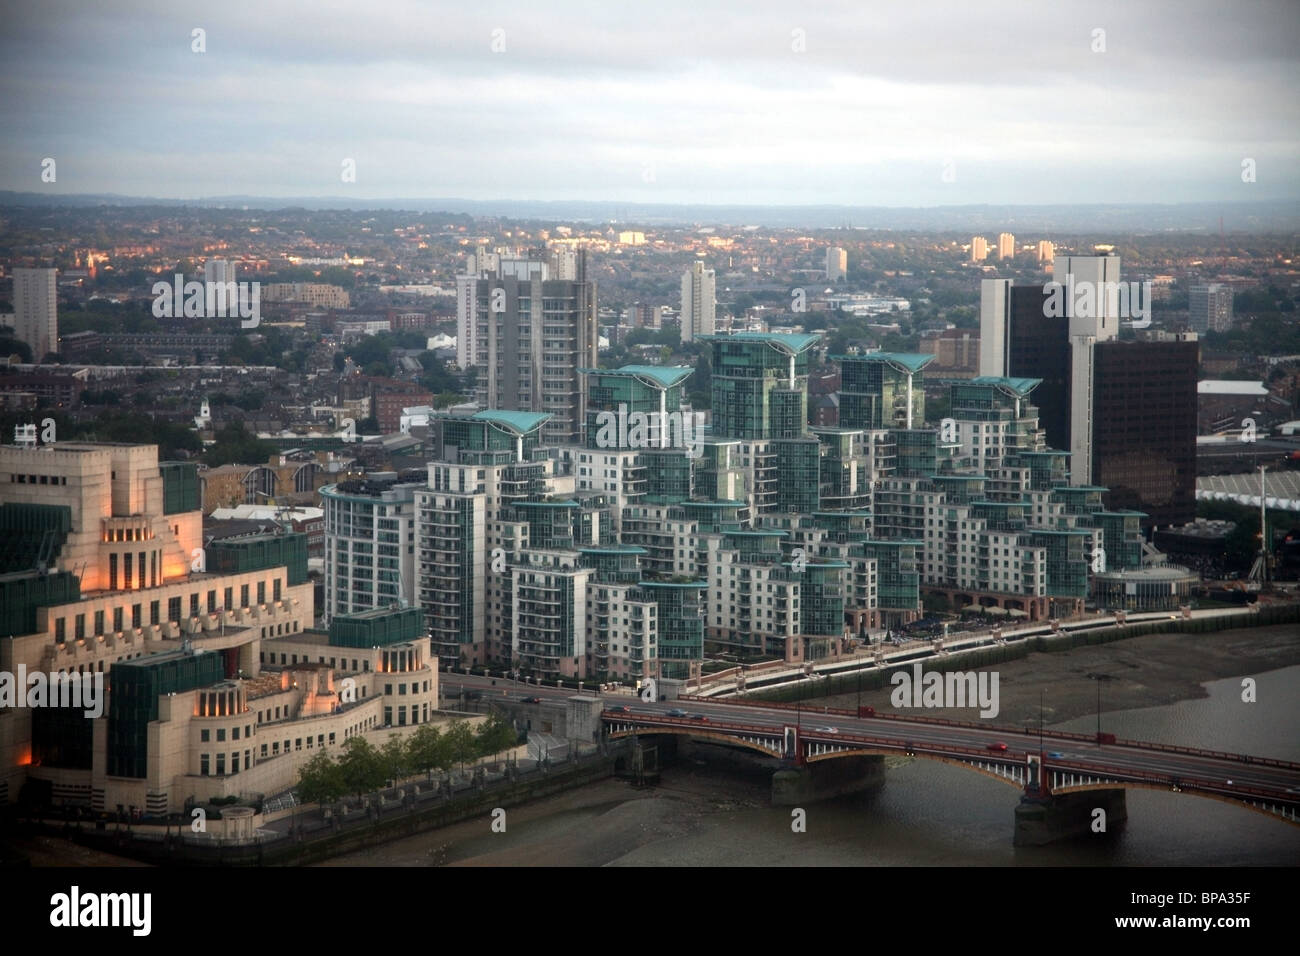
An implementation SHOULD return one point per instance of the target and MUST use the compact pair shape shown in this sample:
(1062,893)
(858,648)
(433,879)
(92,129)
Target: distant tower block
(837,264)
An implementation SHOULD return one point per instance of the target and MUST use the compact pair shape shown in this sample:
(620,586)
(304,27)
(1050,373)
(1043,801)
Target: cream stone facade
(250,737)
(115,493)
(141,596)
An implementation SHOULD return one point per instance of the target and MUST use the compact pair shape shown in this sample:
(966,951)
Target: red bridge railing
(1005,730)
(1005,757)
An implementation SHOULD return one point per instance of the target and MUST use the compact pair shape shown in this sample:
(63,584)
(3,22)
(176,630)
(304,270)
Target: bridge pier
(582,719)
(1050,819)
(823,779)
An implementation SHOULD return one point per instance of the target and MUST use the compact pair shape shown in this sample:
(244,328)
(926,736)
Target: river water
(712,808)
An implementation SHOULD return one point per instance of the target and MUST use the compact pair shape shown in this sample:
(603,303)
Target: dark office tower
(1019,340)
(1144,426)
(1050,333)
(1040,348)
(532,334)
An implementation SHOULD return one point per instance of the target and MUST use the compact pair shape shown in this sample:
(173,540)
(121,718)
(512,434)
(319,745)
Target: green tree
(251,401)
(438,376)
(496,734)
(234,445)
(396,757)
(461,742)
(742,304)
(10,346)
(320,780)
(428,750)
(362,766)
(170,437)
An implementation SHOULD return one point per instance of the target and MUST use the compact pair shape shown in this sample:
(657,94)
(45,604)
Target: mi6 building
(214,683)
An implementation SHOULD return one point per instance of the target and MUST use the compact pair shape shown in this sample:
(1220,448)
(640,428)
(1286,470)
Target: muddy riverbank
(1140,672)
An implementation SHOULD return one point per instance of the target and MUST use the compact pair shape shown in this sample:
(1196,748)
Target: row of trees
(235,445)
(363,768)
(174,439)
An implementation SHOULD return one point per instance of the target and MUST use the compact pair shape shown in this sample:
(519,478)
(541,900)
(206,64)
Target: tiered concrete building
(211,683)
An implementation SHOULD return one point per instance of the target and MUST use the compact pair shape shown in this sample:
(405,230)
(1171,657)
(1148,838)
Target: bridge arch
(260,481)
(1237,802)
(1009,771)
(1017,781)
(1007,779)
(304,479)
(730,740)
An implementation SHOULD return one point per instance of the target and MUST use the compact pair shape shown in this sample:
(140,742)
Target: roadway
(1227,774)
(886,655)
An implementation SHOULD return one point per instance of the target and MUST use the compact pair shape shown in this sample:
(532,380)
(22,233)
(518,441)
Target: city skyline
(816,435)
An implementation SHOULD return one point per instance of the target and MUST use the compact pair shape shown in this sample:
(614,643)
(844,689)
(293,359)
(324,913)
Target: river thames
(712,808)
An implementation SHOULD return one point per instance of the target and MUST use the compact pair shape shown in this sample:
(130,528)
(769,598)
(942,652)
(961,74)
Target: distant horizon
(140,199)
(1198,216)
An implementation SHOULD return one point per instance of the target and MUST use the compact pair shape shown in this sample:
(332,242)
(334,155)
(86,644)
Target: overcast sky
(861,102)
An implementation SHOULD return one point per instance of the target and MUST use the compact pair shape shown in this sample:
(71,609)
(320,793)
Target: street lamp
(1099,678)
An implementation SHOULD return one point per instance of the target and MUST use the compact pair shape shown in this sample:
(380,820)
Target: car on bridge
(999,746)
(530,700)
(675,712)
(620,709)
(827,730)
(700,717)
(1055,754)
